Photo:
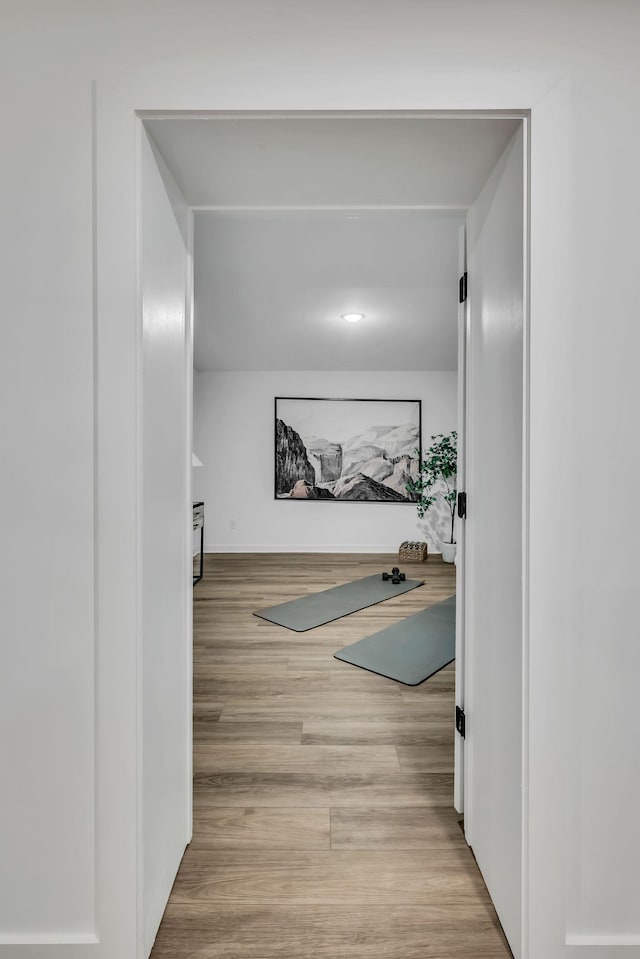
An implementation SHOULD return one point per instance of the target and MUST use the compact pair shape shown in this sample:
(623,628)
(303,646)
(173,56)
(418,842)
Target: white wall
(234,436)
(47,602)
(575,65)
(583,614)
(166,513)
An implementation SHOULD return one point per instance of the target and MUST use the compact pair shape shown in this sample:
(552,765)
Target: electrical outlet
(232,524)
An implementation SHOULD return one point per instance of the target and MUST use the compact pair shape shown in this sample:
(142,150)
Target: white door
(166,534)
(493,547)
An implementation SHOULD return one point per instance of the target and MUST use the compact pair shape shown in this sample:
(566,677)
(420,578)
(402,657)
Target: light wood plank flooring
(323,818)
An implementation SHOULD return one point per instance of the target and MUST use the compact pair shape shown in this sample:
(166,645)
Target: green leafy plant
(437,476)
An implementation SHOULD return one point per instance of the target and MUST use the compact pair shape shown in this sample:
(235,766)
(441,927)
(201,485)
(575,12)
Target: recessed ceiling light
(352,317)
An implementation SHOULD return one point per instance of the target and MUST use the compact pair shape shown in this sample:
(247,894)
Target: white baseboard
(607,939)
(300,548)
(53,939)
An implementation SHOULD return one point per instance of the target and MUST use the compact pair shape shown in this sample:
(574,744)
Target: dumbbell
(395,576)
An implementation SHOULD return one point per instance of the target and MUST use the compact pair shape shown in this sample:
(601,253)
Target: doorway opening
(298,220)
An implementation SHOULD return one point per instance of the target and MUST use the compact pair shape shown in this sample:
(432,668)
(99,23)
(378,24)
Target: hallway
(323,824)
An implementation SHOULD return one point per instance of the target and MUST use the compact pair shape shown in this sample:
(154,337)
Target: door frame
(460,700)
(122,102)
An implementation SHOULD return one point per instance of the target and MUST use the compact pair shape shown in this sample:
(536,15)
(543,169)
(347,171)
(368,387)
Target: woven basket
(412,552)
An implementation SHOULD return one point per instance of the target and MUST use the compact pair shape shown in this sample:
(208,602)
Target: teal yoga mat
(409,651)
(320,608)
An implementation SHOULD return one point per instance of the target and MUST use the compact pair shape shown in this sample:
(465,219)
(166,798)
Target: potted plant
(437,480)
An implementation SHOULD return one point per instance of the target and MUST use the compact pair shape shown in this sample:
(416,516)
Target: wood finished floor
(323,817)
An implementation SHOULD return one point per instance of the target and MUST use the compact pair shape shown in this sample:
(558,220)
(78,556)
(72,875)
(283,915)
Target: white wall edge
(139,546)
(188,593)
(526,528)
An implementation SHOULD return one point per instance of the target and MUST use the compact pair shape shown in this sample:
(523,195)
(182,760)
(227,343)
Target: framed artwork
(341,450)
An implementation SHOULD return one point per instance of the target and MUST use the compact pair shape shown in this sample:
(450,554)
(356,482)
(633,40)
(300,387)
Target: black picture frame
(366,455)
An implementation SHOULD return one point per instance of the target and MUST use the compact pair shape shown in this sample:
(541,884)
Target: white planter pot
(448,552)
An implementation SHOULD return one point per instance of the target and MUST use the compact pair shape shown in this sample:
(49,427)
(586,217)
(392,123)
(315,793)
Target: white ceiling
(270,288)
(301,219)
(331,162)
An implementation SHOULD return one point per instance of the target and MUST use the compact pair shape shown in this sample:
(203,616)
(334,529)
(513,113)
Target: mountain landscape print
(346,450)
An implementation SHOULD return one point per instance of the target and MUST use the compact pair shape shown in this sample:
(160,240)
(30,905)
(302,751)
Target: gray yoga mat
(412,650)
(320,608)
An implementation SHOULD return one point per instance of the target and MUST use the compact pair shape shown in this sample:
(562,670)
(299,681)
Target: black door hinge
(462,505)
(462,288)
(460,721)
